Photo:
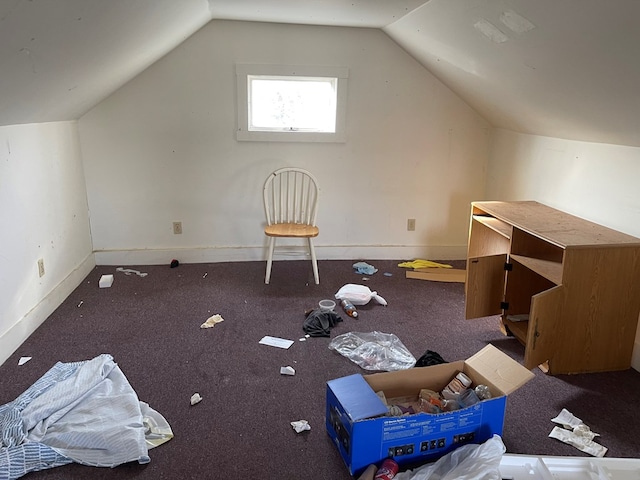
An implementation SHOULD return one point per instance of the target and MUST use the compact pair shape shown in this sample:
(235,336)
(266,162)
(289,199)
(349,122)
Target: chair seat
(291,230)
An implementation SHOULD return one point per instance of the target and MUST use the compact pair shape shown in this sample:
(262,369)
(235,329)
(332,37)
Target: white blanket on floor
(84,412)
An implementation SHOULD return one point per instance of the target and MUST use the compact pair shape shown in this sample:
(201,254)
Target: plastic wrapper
(374,350)
(358,294)
(468,462)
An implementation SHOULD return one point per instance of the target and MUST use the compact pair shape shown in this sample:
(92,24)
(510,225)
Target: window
(291,104)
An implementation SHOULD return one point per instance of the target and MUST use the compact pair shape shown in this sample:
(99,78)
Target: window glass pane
(292,104)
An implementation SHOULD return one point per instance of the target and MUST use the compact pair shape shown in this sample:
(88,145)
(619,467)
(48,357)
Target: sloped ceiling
(566,69)
(59,58)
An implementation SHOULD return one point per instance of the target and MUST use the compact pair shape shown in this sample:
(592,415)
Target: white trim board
(162,256)
(11,340)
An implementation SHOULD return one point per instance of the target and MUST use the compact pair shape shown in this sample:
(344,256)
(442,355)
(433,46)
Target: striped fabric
(85,412)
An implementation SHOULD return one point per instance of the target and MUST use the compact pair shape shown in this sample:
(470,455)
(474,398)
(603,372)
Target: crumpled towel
(320,322)
(423,264)
(364,268)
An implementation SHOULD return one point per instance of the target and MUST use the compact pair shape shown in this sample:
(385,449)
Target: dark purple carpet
(151,326)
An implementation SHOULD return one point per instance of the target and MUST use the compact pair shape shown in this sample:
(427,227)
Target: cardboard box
(356,417)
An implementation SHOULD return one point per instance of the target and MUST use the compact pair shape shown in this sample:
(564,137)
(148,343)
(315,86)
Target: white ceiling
(567,69)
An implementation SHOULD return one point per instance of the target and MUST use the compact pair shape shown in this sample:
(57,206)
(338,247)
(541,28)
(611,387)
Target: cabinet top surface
(554,225)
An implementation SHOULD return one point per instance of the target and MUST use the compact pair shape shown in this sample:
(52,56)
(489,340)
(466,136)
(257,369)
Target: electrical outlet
(41,267)
(177,228)
(411,224)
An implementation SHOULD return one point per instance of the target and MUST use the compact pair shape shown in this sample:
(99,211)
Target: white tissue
(211,321)
(576,434)
(287,370)
(301,426)
(582,443)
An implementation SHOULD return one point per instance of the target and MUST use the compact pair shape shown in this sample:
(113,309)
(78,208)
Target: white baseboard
(247,254)
(11,340)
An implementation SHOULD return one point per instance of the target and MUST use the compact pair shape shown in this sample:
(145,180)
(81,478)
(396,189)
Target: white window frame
(243,71)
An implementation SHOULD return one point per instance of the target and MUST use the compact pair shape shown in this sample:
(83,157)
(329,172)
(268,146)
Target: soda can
(387,470)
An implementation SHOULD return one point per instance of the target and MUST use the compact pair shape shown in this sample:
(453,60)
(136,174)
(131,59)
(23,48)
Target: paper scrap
(211,321)
(23,360)
(276,342)
(195,398)
(128,271)
(576,434)
(581,443)
(301,426)
(567,419)
(288,370)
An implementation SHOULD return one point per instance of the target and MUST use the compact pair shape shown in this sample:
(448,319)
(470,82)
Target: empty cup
(327,305)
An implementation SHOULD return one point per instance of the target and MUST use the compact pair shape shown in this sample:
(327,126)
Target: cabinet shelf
(552,271)
(495,224)
(517,329)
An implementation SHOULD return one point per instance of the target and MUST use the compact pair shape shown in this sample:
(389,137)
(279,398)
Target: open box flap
(501,370)
(357,398)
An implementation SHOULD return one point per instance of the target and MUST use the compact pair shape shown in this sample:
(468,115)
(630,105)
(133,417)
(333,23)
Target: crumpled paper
(301,426)
(211,321)
(576,434)
(288,370)
(195,398)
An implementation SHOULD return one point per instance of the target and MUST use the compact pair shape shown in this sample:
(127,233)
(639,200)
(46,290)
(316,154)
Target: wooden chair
(291,204)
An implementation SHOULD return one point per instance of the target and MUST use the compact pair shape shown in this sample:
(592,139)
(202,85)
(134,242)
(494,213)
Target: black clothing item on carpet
(430,358)
(320,322)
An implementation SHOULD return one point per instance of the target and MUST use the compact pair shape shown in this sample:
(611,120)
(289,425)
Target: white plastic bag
(468,462)
(358,294)
(374,350)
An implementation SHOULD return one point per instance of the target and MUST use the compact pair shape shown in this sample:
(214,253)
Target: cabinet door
(544,321)
(484,286)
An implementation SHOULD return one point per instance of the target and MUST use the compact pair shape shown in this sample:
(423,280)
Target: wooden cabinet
(567,288)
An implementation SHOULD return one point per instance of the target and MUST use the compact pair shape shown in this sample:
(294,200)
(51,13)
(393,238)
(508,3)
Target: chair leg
(314,261)
(272,243)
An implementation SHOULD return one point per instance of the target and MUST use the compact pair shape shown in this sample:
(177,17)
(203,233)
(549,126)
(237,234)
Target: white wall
(595,181)
(163,149)
(44,214)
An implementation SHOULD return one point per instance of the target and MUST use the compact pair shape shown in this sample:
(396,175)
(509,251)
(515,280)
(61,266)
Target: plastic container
(349,308)
(327,305)
(456,386)
(483,392)
(467,398)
